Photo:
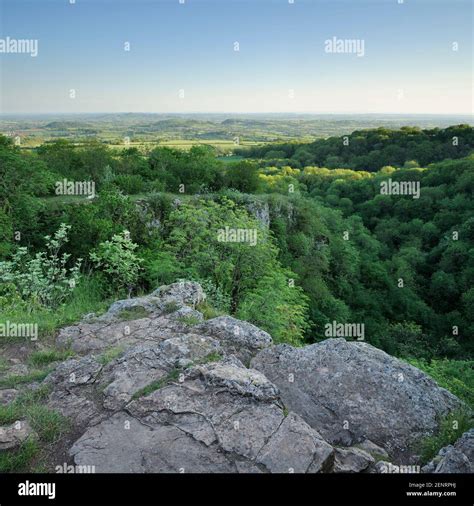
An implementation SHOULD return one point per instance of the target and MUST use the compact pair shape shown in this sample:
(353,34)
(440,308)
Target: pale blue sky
(408,66)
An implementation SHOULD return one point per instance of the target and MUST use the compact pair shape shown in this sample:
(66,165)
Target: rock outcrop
(351,391)
(155,388)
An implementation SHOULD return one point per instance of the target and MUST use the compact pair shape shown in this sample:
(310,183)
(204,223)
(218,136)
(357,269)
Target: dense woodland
(336,249)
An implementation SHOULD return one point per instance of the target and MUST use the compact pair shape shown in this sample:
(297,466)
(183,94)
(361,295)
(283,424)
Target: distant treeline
(370,150)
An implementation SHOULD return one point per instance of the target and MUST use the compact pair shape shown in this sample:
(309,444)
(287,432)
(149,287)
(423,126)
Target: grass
(156,385)
(110,354)
(212,357)
(171,307)
(450,430)
(14,381)
(86,298)
(208,311)
(189,320)
(48,425)
(133,313)
(44,357)
(3,364)
(19,460)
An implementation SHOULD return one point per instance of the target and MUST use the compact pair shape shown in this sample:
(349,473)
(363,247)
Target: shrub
(117,260)
(45,279)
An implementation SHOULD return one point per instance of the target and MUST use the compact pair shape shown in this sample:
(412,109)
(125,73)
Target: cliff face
(187,395)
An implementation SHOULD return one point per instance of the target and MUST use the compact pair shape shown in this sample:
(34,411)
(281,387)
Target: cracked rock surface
(155,388)
(352,391)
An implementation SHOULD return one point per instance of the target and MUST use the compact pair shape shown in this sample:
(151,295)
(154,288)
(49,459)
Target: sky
(414,56)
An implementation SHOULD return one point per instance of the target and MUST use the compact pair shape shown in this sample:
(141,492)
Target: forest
(331,246)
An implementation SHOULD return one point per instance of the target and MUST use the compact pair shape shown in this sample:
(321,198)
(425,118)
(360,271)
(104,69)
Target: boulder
(351,391)
(132,321)
(351,460)
(12,436)
(154,388)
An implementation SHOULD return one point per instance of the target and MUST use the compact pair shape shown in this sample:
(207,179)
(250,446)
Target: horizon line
(246,112)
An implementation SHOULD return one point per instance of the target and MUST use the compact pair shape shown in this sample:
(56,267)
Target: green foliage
(242,176)
(373,149)
(44,357)
(117,260)
(16,380)
(19,460)
(48,425)
(330,228)
(277,307)
(44,279)
(457,376)
(189,320)
(451,428)
(129,183)
(406,340)
(110,354)
(212,357)
(87,297)
(237,273)
(133,313)
(171,307)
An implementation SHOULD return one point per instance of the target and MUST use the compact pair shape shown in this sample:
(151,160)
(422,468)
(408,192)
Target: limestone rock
(154,388)
(12,436)
(352,460)
(296,447)
(351,391)
(240,338)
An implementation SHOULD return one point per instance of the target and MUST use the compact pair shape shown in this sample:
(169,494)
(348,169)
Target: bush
(116,259)
(45,279)
(278,308)
(129,183)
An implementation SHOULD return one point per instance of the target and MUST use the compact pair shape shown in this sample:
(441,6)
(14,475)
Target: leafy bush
(117,260)
(44,279)
(278,308)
